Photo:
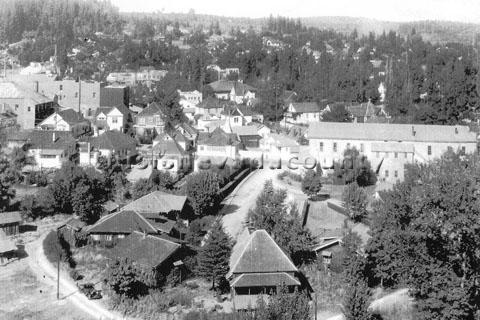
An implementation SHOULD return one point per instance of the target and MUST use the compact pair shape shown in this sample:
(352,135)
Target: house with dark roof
(368,112)
(251,134)
(113,118)
(8,249)
(154,213)
(71,229)
(150,120)
(50,149)
(65,120)
(211,106)
(259,269)
(170,153)
(152,253)
(217,144)
(240,115)
(235,91)
(10,222)
(108,143)
(303,112)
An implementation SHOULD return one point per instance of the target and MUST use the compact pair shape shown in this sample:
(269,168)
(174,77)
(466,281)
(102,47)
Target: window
(16,107)
(362,148)
(386,173)
(348,145)
(463,150)
(321,146)
(93,94)
(334,147)
(61,87)
(141,121)
(60,97)
(235,120)
(406,155)
(395,174)
(48,156)
(76,94)
(396,155)
(201,148)
(114,119)
(429,150)
(29,109)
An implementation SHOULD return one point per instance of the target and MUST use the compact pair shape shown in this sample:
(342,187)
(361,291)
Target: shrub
(311,184)
(182,297)
(37,177)
(355,199)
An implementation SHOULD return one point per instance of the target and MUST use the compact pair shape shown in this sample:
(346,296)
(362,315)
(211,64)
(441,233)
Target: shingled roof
(151,110)
(169,146)
(114,140)
(50,140)
(146,250)
(222,86)
(157,202)
(217,137)
(306,107)
(265,279)
(71,116)
(122,222)
(261,254)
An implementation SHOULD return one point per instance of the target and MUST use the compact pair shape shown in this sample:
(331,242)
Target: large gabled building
(388,147)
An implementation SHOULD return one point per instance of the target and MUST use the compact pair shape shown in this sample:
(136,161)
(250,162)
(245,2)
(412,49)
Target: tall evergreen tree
(214,256)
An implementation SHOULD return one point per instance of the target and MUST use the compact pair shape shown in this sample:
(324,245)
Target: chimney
(413,131)
(54,137)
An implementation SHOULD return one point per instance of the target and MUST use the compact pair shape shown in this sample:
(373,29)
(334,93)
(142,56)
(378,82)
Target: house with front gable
(240,115)
(150,121)
(235,91)
(65,120)
(211,106)
(170,151)
(113,118)
(50,149)
(216,145)
(260,268)
(302,113)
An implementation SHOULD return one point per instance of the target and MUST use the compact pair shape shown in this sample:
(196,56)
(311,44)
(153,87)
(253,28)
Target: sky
(387,10)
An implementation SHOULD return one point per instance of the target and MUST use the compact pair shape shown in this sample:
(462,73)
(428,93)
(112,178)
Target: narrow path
(47,273)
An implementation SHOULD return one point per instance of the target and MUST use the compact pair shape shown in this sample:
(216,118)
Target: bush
(37,177)
(355,198)
(311,184)
(181,297)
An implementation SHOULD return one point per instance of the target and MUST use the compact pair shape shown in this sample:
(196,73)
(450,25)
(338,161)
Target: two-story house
(303,113)
(170,153)
(388,147)
(149,120)
(216,144)
(235,91)
(113,118)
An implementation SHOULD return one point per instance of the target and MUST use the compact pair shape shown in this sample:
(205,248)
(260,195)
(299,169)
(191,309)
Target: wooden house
(10,222)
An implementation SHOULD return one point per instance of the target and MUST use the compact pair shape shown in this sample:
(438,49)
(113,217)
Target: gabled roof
(262,255)
(281,140)
(169,147)
(390,132)
(10,217)
(306,107)
(151,110)
(157,202)
(214,103)
(187,128)
(74,223)
(217,137)
(146,250)
(71,116)
(223,86)
(106,110)
(44,140)
(123,222)
(113,140)
(245,130)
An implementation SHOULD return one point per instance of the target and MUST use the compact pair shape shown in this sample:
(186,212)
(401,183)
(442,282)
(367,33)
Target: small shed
(110,207)
(71,229)
(10,222)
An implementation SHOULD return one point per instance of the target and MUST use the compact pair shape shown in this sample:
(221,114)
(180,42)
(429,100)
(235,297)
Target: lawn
(324,221)
(24,297)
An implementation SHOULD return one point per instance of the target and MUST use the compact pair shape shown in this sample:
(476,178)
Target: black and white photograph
(252,160)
